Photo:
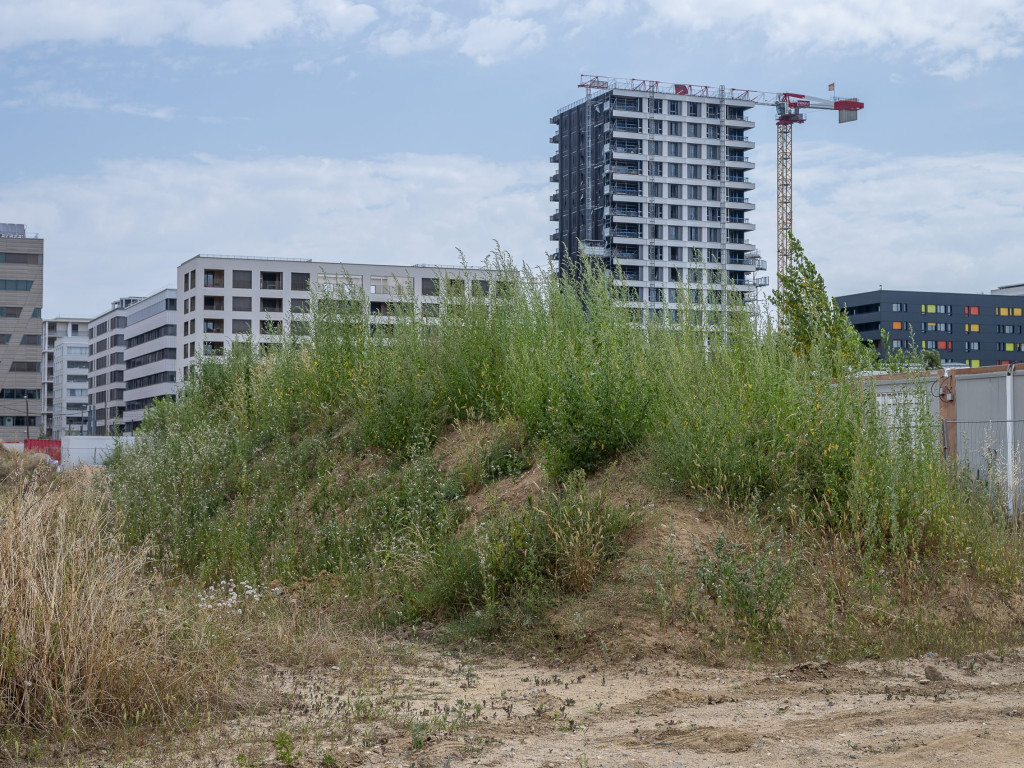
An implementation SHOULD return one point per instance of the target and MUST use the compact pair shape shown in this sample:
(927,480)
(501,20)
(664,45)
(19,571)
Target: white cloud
(952,37)
(146,22)
(942,223)
(493,38)
(487,40)
(157,113)
(43,93)
(135,221)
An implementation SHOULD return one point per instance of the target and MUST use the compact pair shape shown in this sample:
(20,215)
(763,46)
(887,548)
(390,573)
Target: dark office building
(653,179)
(973,329)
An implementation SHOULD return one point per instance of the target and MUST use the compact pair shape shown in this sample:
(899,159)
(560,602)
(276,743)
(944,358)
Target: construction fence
(980,413)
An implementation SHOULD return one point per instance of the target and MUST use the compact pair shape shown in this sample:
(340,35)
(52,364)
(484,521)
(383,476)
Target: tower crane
(788,110)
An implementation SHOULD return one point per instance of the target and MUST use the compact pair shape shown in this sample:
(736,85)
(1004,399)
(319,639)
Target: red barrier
(50,447)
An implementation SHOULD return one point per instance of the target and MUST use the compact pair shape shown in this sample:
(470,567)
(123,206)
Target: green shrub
(755,585)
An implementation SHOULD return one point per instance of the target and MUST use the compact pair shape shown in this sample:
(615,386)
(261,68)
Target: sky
(138,133)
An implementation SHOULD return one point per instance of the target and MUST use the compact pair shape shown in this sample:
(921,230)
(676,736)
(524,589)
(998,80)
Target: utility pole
(26,417)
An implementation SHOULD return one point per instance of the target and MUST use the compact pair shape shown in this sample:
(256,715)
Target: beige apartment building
(21,328)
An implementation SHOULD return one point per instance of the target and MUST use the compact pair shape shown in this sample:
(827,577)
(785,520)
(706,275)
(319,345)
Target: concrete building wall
(131,360)
(226,297)
(655,183)
(21,327)
(973,329)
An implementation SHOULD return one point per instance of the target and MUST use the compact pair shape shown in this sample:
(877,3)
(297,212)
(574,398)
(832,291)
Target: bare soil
(432,710)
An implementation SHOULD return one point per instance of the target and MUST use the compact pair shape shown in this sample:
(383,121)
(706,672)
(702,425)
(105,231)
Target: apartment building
(224,297)
(653,179)
(132,351)
(65,377)
(974,329)
(21,328)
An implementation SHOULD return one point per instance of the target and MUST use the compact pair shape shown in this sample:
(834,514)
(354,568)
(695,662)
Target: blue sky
(138,133)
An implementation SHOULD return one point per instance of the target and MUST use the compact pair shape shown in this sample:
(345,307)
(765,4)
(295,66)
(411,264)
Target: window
(714,173)
(213,325)
(1008,311)
(15,285)
(713,153)
(654,169)
(31,340)
(693,171)
(714,193)
(675,211)
(899,308)
(972,327)
(714,112)
(675,233)
(271,327)
(693,192)
(213,303)
(675,108)
(167,353)
(693,109)
(970,311)
(10,311)
(694,234)
(24,366)
(714,235)
(714,214)
(675,190)
(654,126)
(693,130)
(19,258)
(241,278)
(271,305)
(714,132)
(653,147)
(675,170)
(142,338)
(241,304)
(694,151)
(213,278)
(656,211)
(271,281)
(675,149)
(300,305)
(675,128)
(655,189)
(654,105)
(19,394)
(693,212)
(241,326)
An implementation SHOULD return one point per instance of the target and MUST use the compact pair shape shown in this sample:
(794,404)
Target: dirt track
(442,712)
(669,714)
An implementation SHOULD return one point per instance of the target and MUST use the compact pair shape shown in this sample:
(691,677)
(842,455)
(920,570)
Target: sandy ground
(443,712)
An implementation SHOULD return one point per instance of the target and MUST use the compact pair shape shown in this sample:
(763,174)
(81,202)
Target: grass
(88,639)
(314,463)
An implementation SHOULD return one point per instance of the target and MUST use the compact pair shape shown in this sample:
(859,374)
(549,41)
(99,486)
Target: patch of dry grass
(87,637)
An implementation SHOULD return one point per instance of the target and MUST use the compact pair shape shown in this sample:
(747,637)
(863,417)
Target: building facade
(65,377)
(132,356)
(653,180)
(224,297)
(21,329)
(974,329)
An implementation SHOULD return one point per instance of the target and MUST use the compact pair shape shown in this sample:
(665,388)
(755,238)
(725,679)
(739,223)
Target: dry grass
(88,638)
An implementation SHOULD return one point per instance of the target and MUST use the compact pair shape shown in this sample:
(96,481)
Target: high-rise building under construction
(652,179)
